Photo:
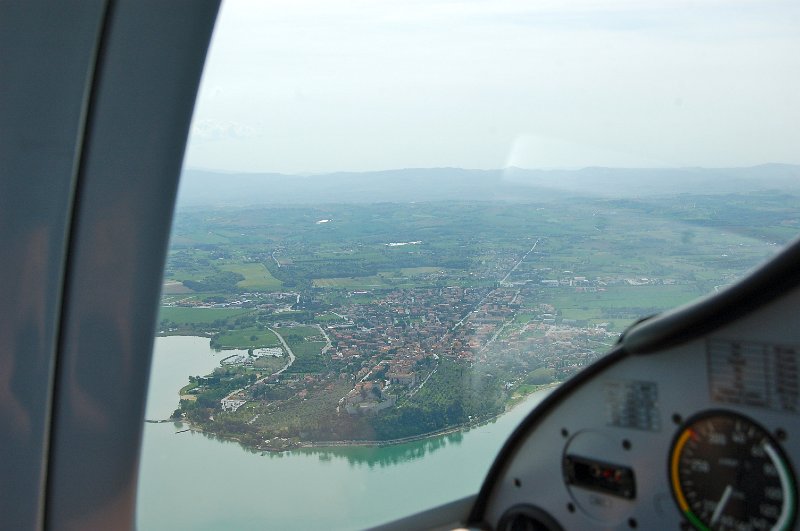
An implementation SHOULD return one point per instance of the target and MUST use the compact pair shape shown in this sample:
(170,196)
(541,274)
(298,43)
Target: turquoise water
(192,481)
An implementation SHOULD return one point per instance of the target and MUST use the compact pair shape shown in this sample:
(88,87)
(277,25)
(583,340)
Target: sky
(317,86)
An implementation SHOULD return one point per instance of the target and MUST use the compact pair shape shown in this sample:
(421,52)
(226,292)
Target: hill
(200,187)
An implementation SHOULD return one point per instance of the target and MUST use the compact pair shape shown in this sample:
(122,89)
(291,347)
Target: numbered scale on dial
(727,472)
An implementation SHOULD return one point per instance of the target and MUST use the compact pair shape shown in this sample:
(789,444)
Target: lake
(192,481)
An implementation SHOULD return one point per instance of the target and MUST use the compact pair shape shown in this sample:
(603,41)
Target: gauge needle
(726,494)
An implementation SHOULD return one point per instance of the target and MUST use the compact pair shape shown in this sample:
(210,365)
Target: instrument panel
(728,472)
(702,435)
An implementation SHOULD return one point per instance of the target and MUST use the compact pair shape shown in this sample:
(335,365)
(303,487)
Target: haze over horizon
(500,169)
(199,187)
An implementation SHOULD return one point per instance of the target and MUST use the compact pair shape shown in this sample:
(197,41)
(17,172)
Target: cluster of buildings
(234,401)
(388,345)
(392,336)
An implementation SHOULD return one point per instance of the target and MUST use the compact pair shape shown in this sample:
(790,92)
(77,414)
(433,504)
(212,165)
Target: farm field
(184,315)
(246,338)
(256,276)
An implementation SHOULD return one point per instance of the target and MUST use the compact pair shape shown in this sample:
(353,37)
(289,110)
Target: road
(520,261)
(497,334)
(480,302)
(288,351)
(328,344)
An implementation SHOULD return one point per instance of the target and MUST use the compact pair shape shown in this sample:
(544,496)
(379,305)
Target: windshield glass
(400,225)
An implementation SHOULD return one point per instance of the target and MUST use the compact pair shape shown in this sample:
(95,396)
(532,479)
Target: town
(339,331)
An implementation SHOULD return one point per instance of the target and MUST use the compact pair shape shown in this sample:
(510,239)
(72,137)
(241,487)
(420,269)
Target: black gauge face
(728,473)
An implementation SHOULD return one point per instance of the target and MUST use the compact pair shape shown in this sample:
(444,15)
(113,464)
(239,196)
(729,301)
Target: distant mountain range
(513,184)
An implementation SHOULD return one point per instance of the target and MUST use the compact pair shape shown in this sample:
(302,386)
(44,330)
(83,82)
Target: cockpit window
(401,224)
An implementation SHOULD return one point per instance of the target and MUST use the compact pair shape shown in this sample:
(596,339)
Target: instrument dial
(727,472)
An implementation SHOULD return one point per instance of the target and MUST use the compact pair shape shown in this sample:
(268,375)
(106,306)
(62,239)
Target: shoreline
(362,443)
(288,445)
(466,426)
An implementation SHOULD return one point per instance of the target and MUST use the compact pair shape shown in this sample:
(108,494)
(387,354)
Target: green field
(244,338)
(400,278)
(308,356)
(619,305)
(181,315)
(328,318)
(308,353)
(256,276)
(304,331)
(410,271)
(172,287)
(351,282)
(270,364)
